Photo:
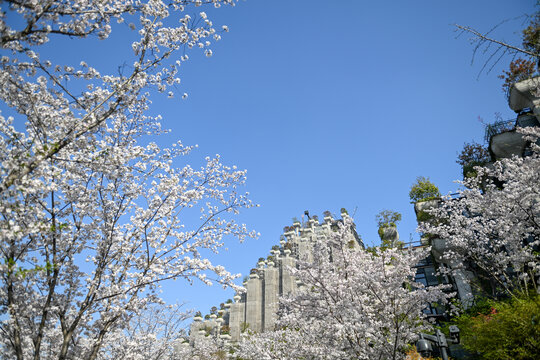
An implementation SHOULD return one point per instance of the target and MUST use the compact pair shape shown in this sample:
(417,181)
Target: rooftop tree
(423,190)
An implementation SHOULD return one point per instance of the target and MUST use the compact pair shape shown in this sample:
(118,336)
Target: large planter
(389,234)
(525,94)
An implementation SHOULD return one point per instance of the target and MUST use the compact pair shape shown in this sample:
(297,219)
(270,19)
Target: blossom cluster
(351,303)
(95,216)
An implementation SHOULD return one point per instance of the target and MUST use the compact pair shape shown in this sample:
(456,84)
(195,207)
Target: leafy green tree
(389,237)
(473,154)
(387,218)
(423,190)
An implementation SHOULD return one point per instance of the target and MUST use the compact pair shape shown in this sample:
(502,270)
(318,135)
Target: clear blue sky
(332,104)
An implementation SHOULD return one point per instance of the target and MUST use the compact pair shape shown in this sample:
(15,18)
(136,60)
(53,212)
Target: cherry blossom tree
(94,214)
(203,348)
(151,334)
(495,224)
(351,303)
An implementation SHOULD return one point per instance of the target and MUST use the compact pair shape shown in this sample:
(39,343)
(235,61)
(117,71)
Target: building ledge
(525,94)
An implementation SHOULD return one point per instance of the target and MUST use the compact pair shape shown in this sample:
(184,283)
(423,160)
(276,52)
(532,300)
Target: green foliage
(519,70)
(244,327)
(344,211)
(423,190)
(473,154)
(225,329)
(423,216)
(503,330)
(531,35)
(387,218)
(381,232)
(198,314)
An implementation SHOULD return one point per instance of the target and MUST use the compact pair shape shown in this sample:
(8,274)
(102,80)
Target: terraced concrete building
(257,308)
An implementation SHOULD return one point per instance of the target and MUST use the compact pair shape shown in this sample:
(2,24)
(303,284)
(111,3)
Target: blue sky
(330,104)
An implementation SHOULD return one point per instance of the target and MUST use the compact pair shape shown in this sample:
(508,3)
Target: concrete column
(288,282)
(254,303)
(236,317)
(271,296)
(196,325)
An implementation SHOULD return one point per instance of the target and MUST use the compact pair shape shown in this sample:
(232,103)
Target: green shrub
(423,190)
(473,154)
(423,216)
(503,330)
(387,218)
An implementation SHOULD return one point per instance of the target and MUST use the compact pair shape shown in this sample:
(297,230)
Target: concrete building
(257,308)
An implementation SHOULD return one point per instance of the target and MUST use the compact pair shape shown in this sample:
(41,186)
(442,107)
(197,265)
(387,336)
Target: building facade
(256,309)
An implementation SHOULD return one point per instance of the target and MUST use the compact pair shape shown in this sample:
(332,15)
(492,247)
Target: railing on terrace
(454,196)
(498,127)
